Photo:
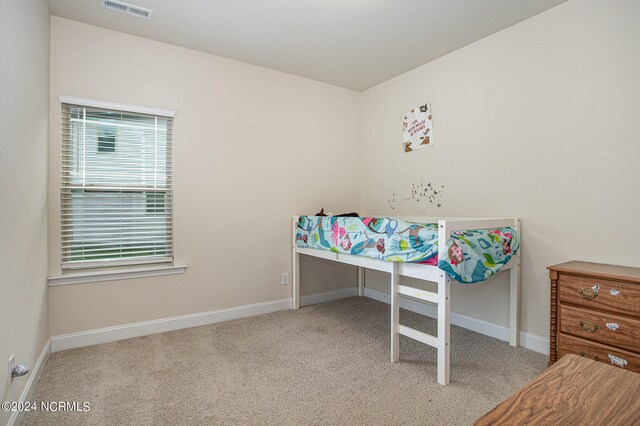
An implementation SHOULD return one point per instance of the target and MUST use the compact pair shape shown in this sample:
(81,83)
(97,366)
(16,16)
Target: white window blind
(116,187)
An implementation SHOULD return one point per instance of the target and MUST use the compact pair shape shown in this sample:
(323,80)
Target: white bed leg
(295,273)
(514,297)
(395,313)
(444,326)
(295,280)
(444,309)
(360,281)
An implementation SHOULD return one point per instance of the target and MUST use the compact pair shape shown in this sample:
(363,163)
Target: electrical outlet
(12,364)
(285,278)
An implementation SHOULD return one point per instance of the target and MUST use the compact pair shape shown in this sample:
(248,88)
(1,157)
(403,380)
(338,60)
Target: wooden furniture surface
(595,313)
(574,391)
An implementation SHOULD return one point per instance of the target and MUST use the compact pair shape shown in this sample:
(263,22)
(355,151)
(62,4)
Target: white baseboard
(313,299)
(32,382)
(534,342)
(126,331)
(527,340)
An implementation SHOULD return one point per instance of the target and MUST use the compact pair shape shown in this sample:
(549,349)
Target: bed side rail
(467,224)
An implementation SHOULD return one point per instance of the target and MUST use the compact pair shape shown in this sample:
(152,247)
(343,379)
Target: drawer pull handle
(589,355)
(614,292)
(589,326)
(612,326)
(616,360)
(589,292)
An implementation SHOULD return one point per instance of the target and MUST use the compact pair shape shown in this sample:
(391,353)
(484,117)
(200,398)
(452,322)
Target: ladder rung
(425,338)
(428,296)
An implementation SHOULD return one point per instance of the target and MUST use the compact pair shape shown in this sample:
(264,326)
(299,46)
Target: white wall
(252,147)
(24,109)
(539,121)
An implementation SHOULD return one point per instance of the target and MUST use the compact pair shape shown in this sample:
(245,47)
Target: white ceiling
(355,44)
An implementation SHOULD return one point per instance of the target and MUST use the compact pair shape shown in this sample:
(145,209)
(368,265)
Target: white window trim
(115,106)
(115,275)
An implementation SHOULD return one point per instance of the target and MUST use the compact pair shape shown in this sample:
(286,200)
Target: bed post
(360,281)
(514,296)
(295,273)
(395,313)
(444,309)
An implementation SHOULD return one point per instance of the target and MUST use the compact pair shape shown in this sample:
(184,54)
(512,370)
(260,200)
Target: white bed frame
(424,272)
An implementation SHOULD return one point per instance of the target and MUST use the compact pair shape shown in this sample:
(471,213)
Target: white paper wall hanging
(417,128)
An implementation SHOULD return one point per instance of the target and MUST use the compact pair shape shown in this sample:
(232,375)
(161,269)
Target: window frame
(65,185)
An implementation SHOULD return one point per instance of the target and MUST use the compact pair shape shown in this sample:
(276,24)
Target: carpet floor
(322,364)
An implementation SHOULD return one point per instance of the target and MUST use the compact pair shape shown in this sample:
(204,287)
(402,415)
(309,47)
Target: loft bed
(424,239)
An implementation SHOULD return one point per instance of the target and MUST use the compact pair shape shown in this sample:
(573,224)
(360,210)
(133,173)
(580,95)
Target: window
(116,187)
(106,138)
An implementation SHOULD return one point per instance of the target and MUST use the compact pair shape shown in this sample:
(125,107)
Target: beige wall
(252,147)
(539,121)
(24,109)
(321,276)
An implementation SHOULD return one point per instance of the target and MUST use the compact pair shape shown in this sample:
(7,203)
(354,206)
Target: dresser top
(544,400)
(600,270)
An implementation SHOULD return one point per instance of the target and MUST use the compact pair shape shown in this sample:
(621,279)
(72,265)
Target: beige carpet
(323,364)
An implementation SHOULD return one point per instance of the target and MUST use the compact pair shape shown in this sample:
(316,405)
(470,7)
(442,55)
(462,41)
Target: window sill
(121,274)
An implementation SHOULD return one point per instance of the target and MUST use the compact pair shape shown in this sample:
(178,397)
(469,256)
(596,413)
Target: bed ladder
(442,341)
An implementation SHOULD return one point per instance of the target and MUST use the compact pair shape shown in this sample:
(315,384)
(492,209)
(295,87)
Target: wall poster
(417,128)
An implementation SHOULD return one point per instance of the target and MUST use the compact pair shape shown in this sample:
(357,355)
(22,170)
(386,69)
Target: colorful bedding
(472,256)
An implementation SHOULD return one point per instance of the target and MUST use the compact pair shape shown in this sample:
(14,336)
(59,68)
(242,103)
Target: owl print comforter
(472,256)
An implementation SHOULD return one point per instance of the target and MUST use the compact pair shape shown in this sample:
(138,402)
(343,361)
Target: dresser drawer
(601,327)
(600,294)
(617,357)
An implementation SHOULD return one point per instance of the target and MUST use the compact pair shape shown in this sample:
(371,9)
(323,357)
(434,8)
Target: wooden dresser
(595,313)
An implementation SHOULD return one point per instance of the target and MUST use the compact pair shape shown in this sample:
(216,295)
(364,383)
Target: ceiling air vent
(129,9)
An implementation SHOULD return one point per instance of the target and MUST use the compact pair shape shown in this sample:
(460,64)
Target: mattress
(472,255)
